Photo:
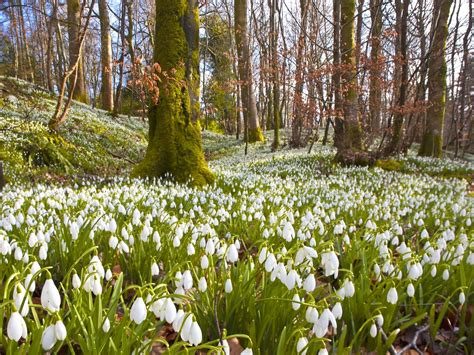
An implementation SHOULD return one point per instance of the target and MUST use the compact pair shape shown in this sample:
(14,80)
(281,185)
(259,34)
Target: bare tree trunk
(106,92)
(245,72)
(299,78)
(74,14)
(275,74)
(432,142)
(375,89)
(338,125)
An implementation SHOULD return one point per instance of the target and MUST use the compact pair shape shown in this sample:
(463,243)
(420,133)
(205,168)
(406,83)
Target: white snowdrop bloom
(43,252)
(18,255)
(123,247)
(225,347)
(410,290)
(30,283)
(21,300)
(290,280)
(462,298)
(309,284)
(446,275)
(32,240)
(232,254)
(424,234)
(337,310)
(190,249)
(106,325)
(187,280)
(195,334)
(48,339)
(155,270)
(170,310)
(74,230)
(392,296)
(379,320)
(138,311)
(178,320)
(323,351)
(288,232)
(263,255)
(295,304)
(270,263)
(50,298)
(108,275)
(338,229)
(185,331)
(415,271)
(113,242)
(202,284)
(320,327)
(228,286)
(373,330)
(433,271)
(60,330)
(247,351)
(16,327)
(301,345)
(204,262)
(136,217)
(311,315)
(349,288)
(210,247)
(330,263)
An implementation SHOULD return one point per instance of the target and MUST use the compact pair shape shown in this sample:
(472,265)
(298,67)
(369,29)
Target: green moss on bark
(174,147)
(256,135)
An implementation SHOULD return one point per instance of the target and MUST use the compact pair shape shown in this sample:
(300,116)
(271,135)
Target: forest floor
(286,251)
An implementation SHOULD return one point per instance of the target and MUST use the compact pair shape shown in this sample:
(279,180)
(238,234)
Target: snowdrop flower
(323,351)
(29,282)
(288,232)
(76,281)
(60,330)
(247,351)
(301,346)
(108,275)
(270,263)
(232,254)
(170,310)
(311,315)
(446,275)
(155,270)
(337,310)
(204,262)
(21,300)
(290,280)
(16,327)
(228,286)
(295,304)
(462,298)
(373,330)
(309,283)
(48,339)
(195,334)
(138,311)
(50,298)
(202,284)
(392,296)
(187,280)
(330,263)
(113,242)
(106,325)
(410,290)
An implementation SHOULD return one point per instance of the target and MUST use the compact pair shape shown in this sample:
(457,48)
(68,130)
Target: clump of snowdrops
(275,255)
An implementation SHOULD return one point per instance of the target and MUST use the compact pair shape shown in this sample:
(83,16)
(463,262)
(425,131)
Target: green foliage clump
(390,165)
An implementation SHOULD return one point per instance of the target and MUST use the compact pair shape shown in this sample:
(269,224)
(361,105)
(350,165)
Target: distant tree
(249,104)
(432,142)
(174,136)
(106,92)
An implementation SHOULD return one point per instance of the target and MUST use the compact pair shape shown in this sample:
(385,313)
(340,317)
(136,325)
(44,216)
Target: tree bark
(249,103)
(79,92)
(174,146)
(106,92)
(375,90)
(432,142)
(352,139)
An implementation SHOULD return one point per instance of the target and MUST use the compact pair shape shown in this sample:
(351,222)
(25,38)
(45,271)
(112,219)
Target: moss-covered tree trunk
(432,142)
(174,146)
(336,78)
(249,104)
(106,92)
(74,26)
(352,138)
